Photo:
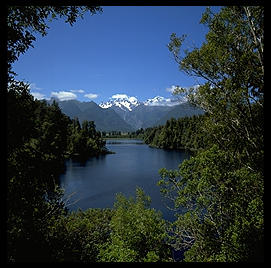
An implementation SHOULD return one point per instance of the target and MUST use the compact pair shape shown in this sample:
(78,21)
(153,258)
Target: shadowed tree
(221,188)
(37,141)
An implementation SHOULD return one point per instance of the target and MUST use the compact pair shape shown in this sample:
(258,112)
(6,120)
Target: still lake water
(95,183)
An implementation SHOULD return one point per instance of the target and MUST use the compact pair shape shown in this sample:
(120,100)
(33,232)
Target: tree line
(84,141)
(123,135)
(183,133)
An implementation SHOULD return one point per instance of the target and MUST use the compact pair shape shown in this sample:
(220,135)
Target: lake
(95,183)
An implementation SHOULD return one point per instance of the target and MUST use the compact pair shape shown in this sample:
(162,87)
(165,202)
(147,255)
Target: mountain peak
(127,103)
(122,101)
(122,116)
(161,101)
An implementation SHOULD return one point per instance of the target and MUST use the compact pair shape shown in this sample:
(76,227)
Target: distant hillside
(146,116)
(149,113)
(116,118)
(104,119)
(181,110)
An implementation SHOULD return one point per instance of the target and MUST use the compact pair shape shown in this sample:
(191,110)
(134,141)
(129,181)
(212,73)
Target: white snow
(161,101)
(128,103)
(122,101)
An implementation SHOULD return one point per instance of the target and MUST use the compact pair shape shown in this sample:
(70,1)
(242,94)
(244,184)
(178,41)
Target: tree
(138,232)
(221,188)
(37,142)
(85,141)
(33,167)
(184,133)
(231,63)
(78,236)
(223,203)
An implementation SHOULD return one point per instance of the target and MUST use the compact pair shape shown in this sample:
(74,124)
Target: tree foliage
(223,204)
(40,137)
(85,141)
(221,188)
(138,232)
(78,236)
(37,139)
(231,63)
(181,133)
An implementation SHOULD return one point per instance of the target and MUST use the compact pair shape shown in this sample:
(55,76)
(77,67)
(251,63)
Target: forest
(184,133)
(221,186)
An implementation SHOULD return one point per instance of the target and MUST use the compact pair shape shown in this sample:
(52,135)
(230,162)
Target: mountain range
(127,114)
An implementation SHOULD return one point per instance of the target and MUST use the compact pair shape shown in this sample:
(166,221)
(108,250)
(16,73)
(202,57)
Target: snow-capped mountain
(127,103)
(127,114)
(161,101)
(140,113)
(122,101)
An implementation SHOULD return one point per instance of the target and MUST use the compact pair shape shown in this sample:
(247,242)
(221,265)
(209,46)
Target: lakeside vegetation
(123,135)
(221,186)
(185,133)
(84,141)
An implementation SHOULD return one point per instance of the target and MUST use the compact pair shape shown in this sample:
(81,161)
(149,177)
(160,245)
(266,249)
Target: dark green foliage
(40,137)
(138,232)
(37,224)
(129,232)
(20,118)
(183,133)
(85,141)
(221,188)
(35,159)
(224,218)
(79,236)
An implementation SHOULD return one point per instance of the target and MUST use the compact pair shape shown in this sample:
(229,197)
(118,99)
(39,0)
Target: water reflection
(97,181)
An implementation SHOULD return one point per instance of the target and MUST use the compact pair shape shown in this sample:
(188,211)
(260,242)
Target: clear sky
(123,50)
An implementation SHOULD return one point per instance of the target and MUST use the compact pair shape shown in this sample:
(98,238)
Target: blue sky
(123,50)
